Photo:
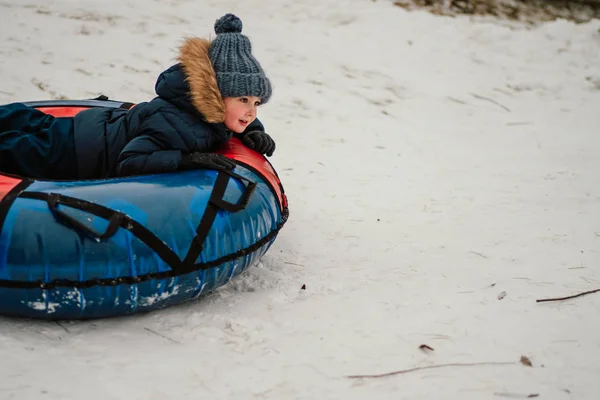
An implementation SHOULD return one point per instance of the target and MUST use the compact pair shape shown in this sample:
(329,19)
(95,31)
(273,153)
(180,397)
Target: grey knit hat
(238,72)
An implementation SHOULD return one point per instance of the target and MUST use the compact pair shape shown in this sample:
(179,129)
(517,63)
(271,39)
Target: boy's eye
(258,103)
(244,100)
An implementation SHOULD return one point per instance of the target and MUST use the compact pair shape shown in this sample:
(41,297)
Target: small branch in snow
(291,263)
(456,100)
(517,396)
(477,96)
(62,326)
(478,254)
(425,347)
(404,371)
(518,123)
(162,336)
(568,297)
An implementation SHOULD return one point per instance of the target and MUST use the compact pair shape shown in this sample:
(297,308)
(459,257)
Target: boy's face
(240,112)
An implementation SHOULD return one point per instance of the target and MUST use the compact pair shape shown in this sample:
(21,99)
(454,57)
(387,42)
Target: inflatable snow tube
(101,248)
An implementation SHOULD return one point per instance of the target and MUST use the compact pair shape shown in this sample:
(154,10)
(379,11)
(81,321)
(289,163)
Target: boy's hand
(206,160)
(259,141)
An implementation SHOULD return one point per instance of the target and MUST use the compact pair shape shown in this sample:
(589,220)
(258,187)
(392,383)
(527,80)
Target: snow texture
(442,175)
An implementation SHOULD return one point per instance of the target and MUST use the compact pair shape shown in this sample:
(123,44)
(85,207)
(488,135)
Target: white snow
(433,165)
(44,304)
(150,300)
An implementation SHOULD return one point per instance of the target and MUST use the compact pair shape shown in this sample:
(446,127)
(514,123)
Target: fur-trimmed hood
(202,80)
(192,84)
(187,116)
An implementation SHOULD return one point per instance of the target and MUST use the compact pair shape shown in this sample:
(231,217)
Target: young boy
(210,95)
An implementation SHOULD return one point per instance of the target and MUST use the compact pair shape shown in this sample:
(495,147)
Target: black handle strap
(216,196)
(115,220)
(215,203)
(138,230)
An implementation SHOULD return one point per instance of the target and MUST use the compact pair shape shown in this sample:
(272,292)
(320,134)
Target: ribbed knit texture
(238,72)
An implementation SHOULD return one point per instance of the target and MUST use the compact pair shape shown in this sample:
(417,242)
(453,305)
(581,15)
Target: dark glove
(259,141)
(206,160)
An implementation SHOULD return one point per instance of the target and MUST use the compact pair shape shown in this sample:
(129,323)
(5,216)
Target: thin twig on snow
(568,297)
(478,254)
(404,371)
(291,263)
(62,326)
(477,96)
(161,335)
(425,347)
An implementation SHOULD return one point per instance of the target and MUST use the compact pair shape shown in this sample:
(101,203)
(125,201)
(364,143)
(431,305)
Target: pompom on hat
(238,72)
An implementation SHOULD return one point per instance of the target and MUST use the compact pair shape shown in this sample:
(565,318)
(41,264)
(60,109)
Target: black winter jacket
(151,137)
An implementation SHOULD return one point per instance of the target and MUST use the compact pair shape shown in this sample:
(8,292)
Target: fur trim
(202,79)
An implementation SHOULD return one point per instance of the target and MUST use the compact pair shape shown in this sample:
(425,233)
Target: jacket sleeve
(143,155)
(160,141)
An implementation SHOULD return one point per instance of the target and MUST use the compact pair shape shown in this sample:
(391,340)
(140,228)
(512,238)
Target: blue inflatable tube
(100,248)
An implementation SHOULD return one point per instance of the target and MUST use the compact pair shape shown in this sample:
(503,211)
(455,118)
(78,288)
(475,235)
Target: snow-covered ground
(433,165)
